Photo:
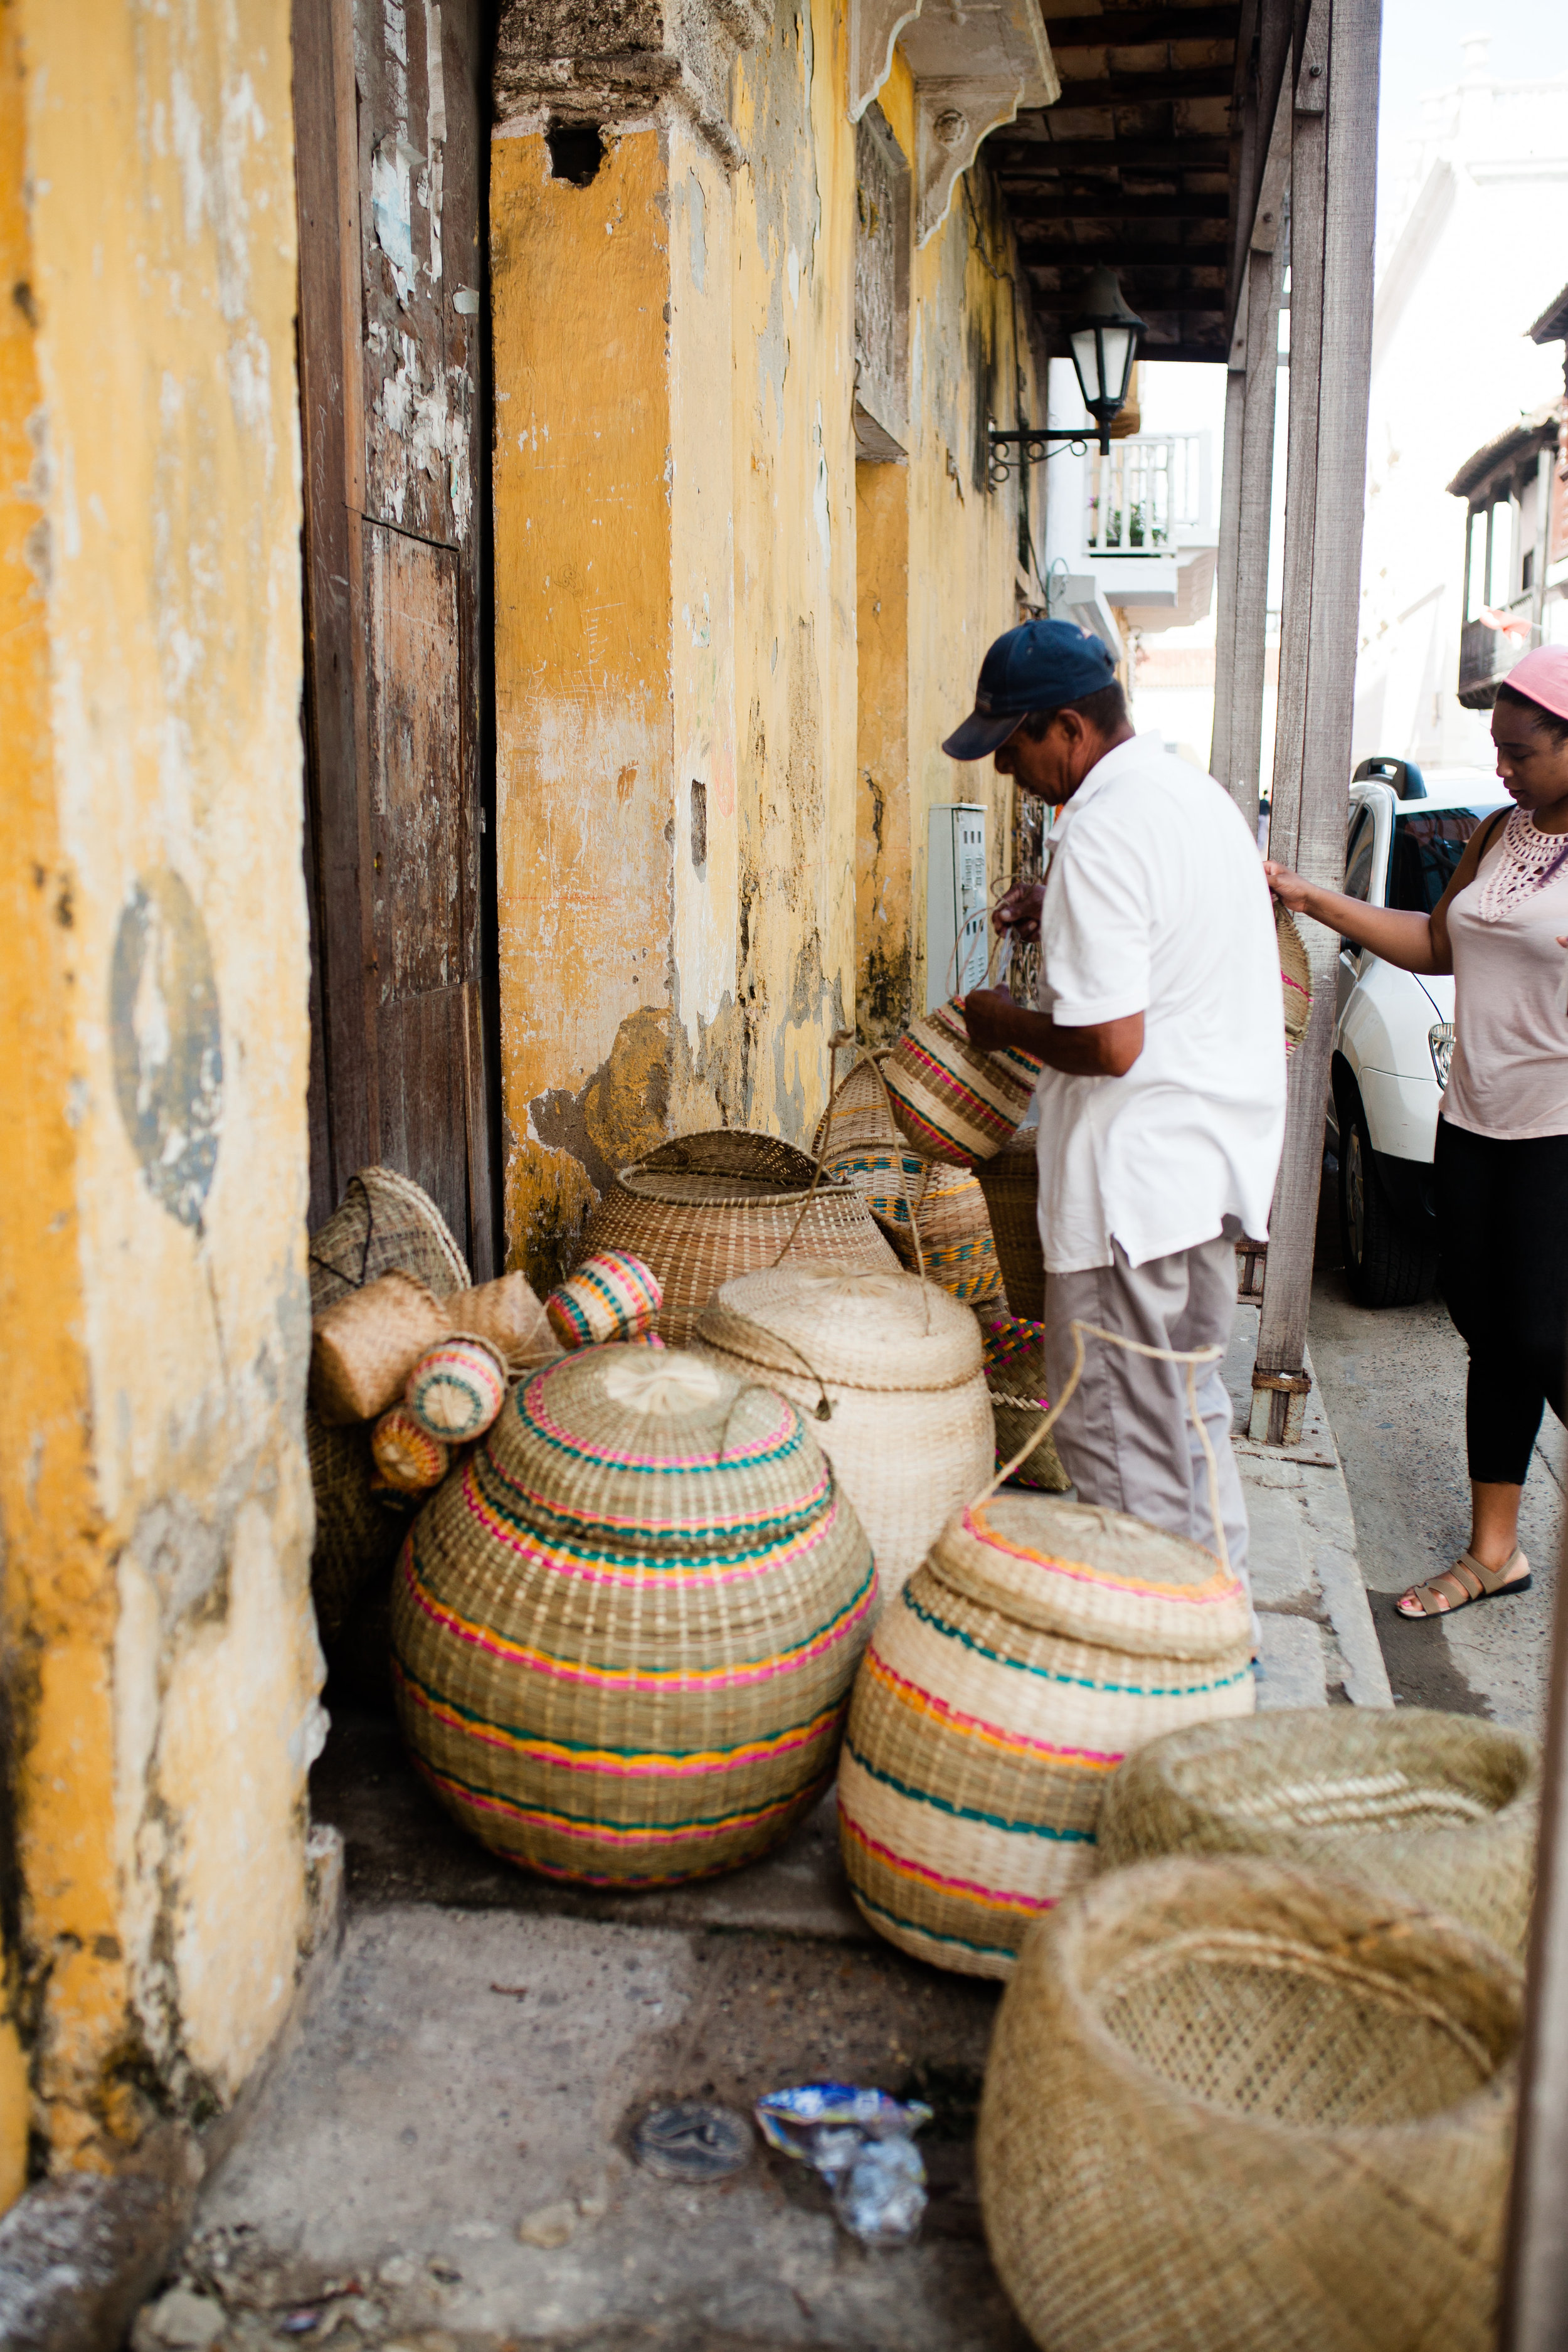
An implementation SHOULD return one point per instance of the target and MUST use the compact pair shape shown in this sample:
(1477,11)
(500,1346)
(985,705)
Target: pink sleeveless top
(1510,1072)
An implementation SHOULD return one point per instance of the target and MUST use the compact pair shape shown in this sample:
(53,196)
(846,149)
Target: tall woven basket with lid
(1040,1642)
(625,1633)
(708,1207)
(1234,2105)
(858,1139)
(898,1361)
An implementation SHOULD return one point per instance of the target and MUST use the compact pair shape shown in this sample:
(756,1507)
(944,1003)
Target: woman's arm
(1414,943)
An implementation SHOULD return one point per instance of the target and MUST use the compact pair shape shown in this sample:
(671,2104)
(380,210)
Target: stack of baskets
(1015,1354)
(625,1630)
(1010,1184)
(859,1139)
(709,1207)
(1039,1644)
(896,1364)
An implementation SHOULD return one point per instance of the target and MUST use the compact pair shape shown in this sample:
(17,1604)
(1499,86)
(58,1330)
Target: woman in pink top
(1502,1173)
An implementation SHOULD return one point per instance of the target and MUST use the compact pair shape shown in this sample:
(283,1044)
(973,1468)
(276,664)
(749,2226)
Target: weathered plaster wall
(160,1666)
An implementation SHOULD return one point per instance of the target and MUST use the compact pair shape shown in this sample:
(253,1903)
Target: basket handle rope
(837,1085)
(1190,1357)
(999,938)
(823,1409)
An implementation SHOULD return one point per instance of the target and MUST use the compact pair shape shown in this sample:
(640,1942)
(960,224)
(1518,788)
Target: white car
(1394,1035)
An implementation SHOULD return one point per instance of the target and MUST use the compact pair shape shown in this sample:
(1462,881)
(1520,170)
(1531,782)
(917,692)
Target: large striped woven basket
(625,1631)
(1295,977)
(898,1363)
(1232,2106)
(708,1207)
(932,1210)
(1039,1644)
(951,1100)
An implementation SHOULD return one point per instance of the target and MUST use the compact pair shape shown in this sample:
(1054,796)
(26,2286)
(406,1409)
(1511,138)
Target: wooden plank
(1221,759)
(423,1114)
(420,820)
(1127,28)
(1171,84)
(482,1253)
(1241,645)
(1035,200)
(1072,253)
(1024,149)
(1333,193)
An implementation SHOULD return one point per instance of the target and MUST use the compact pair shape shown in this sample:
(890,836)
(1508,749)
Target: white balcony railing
(1150,495)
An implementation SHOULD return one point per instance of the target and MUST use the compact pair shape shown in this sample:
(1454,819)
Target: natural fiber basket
(898,1361)
(625,1630)
(1039,1644)
(1015,1356)
(859,1139)
(385,1223)
(1443,1808)
(1236,2107)
(1010,1182)
(709,1207)
(952,1100)
(1295,976)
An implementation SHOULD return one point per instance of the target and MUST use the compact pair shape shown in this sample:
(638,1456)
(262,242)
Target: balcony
(1487,652)
(1152,497)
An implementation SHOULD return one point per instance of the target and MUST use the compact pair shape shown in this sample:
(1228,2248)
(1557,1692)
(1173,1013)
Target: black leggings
(1502,1240)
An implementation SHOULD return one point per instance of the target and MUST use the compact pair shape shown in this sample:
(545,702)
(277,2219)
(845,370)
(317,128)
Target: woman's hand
(1288,888)
(1019,910)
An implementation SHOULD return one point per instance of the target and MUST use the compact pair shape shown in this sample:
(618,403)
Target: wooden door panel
(424,1098)
(420,828)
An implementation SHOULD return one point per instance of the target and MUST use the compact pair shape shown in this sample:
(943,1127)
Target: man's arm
(1100,1049)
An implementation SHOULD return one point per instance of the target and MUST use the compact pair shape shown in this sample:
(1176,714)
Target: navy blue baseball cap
(1037,666)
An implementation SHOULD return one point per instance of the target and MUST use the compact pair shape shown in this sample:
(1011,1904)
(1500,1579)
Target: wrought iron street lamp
(1103,342)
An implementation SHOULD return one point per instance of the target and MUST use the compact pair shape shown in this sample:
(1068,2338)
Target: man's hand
(988,1015)
(1019,910)
(1102,1049)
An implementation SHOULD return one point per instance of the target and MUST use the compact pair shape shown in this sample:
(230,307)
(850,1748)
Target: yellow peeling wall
(161,1668)
(688,888)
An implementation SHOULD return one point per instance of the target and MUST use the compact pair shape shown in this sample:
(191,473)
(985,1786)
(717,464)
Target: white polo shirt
(1156,902)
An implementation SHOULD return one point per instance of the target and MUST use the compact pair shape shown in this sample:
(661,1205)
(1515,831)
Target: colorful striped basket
(951,1100)
(408,1457)
(1039,1644)
(611,1296)
(933,1212)
(1295,977)
(1235,2105)
(625,1630)
(896,1361)
(1015,1353)
(457,1388)
(708,1207)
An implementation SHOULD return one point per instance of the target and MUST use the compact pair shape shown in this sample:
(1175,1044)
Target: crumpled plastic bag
(862,2142)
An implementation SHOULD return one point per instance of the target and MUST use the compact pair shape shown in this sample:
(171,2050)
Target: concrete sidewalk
(441,2163)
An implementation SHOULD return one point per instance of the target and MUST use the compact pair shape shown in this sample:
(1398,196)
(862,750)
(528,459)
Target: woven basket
(951,1100)
(1015,1356)
(1038,1644)
(1010,1182)
(859,1139)
(898,1361)
(709,1207)
(1295,976)
(1441,1807)
(385,1221)
(625,1630)
(1235,2107)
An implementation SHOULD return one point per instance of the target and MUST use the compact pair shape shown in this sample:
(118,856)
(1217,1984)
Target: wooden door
(392,141)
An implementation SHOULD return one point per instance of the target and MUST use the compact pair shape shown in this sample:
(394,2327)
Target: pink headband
(1542,676)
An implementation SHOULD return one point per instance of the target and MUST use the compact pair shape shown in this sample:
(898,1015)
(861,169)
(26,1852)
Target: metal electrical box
(956,901)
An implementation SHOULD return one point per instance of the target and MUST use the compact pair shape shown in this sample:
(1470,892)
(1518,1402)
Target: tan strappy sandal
(1466,1580)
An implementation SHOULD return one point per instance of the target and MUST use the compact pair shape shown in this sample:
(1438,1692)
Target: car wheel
(1387,1264)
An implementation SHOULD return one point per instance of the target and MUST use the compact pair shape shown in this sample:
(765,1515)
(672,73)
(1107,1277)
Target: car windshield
(1427,846)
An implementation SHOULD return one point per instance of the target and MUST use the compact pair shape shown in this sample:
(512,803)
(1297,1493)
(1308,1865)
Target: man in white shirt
(1161,1101)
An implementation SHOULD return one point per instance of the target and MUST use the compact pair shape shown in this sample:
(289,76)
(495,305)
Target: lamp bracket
(1033,447)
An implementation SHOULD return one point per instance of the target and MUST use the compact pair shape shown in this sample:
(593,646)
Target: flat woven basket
(708,1207)
(1235,2107)
(858,1139)
(898,1361)
(385,1224)
(1295,976)
(1039,1644)
(1010,1182)
(625,1631)
(1014,1355)
(951,1100)
(1444,1808)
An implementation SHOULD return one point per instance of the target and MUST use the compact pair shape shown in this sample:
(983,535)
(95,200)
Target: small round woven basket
(385,1224)
(1010,1182)
(951,1100)
(1039,1644)
(898,1361)
(1444,1808)
(708,1207)
(1236,2107)
(624,1631)
(1295,976)
(858,1139)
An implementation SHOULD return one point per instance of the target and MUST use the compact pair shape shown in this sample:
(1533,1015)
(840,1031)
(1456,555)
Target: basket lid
(727,1166)
(1094,1575)
(624,1449)
(844,1324)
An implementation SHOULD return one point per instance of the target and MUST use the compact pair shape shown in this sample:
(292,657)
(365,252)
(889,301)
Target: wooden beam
(1030,201)
(1115,253)
(1261,77)
(1150,89)
(1333,189)
(1052,303)
(1041,152)
(1130,27)
(1240,652)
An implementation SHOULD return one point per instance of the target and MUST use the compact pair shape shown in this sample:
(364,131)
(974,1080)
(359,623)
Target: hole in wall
(698,825)
(577,152)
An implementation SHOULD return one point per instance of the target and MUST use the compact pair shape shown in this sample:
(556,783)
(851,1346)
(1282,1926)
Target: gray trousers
(1127,1439)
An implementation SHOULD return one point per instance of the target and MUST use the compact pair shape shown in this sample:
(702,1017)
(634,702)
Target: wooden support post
(1534,2315)
(1333,183)
(1240,654)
